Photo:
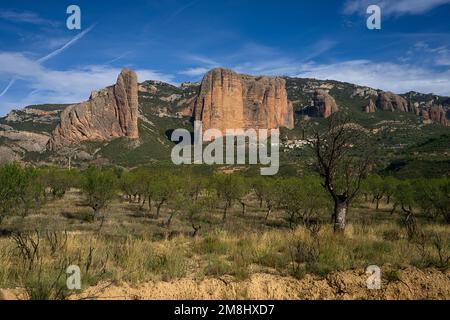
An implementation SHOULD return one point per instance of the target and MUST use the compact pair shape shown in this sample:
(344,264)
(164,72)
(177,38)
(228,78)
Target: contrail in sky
(53,54)
(67,45)
(8,86)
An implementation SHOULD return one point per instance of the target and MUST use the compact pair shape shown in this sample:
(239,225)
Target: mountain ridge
(163,107)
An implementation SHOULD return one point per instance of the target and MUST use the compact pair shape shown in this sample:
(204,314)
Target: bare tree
(343,159)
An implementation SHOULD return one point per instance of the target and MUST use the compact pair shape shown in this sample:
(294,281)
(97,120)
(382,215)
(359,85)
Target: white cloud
(194,72)
(28,64)
(25,17)
(393,7)
(423,68)
(387,76)
(55,86)
(200,59)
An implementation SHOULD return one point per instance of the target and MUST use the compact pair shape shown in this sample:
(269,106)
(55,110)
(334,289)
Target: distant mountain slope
(164,107)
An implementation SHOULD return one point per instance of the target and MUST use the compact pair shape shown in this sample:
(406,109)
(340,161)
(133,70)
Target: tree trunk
(269,210)
(394,207)
(158,208)
(224,217)
(142,204)
(196,229)
(378,204)
(169,221)
(340,215)
(244,208)
(150,204)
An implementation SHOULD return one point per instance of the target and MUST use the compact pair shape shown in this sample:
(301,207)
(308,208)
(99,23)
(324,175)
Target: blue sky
(41,61)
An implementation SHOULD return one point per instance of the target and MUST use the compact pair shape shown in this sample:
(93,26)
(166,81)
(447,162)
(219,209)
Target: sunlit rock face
(109,113)
(228,100)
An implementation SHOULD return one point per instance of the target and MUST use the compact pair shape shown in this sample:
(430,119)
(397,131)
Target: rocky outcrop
(324,104)
(429,112)
(388,101)
(435,114)
(371,107)
(228,100)
(26,141)
(414,107)
(109,113)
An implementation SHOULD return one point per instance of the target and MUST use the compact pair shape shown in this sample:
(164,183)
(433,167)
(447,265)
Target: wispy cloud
(25,17)
(393,7)
(55,86)
(387,76)
(180,10)
(256,58)
(319,48)
(47,57)
(422,53)
(194,72)
(205,63)
(123,55)
(67,45)
(200,59)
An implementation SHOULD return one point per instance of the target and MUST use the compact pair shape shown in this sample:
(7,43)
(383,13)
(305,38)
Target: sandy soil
(411,283)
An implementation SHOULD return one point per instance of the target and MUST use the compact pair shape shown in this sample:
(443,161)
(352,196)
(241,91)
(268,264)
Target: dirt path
(410,283)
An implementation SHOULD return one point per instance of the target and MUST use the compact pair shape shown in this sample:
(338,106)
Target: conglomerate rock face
(371,107)
(389,101)
(324,104)
(109,113)
(228,100)
(437,114)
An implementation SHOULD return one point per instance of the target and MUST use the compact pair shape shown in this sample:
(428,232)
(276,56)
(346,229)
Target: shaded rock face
(109,113)
(437,114)
(429,112)
(324,104)
(228,100)
(371,107)
(389,101)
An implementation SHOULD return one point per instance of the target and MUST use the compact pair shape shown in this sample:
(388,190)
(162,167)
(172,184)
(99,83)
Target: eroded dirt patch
(410,283)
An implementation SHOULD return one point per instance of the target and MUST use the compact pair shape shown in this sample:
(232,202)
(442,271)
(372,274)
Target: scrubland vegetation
(161,223)
(165,222)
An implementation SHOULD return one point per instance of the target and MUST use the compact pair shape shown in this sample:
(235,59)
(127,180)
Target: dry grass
(131,247)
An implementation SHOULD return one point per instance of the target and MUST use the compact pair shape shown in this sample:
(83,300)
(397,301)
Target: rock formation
(429,111)
(436,114)
(324,104)
(389,101)
(228,100)
(109,113)
(371,107)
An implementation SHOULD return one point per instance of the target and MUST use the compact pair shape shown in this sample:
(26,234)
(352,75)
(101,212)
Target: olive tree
(162,188)
(304,200)
(376,187)
(229,188)
(21,189)
(99,186)
(57,181)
